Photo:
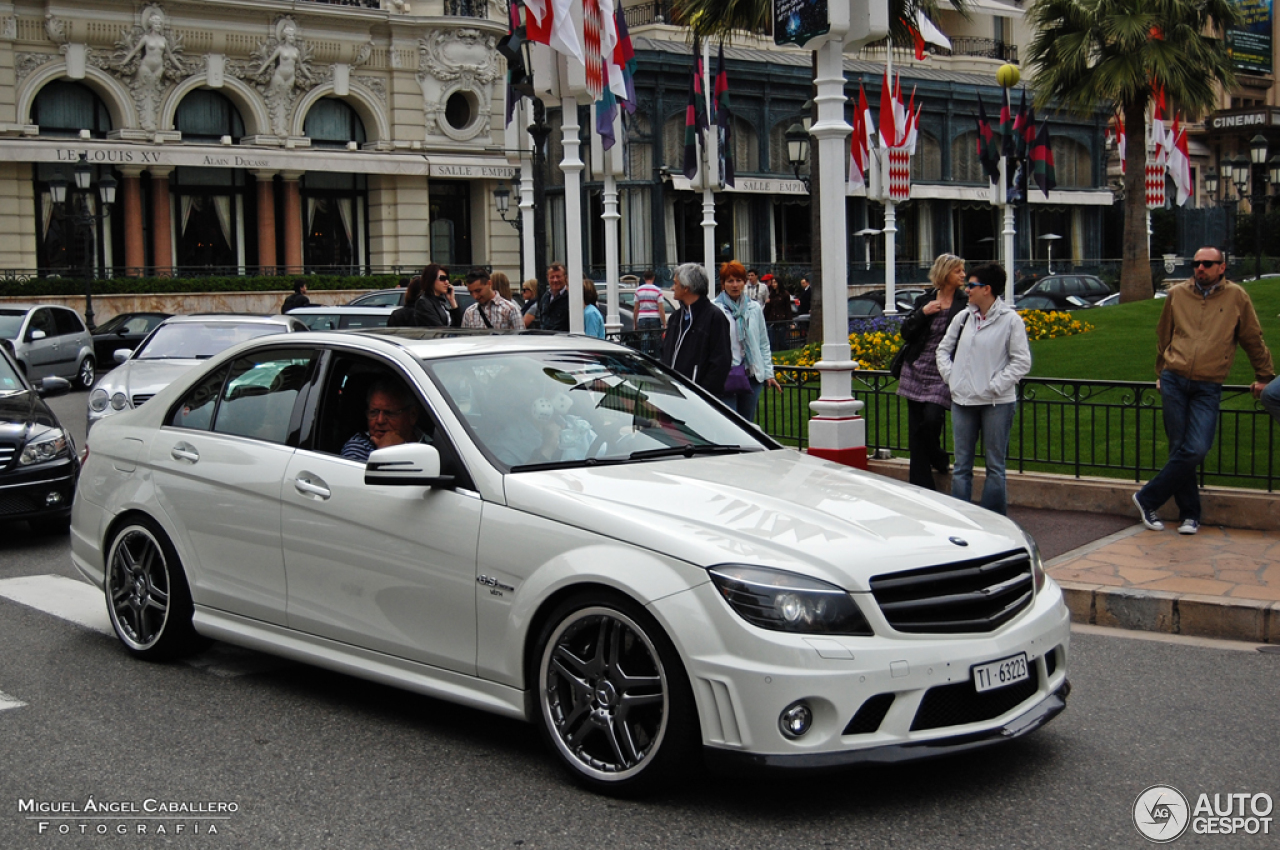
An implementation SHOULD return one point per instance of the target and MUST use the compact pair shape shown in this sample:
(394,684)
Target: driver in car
(392,414)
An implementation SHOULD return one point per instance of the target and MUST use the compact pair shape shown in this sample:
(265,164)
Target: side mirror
(121,354)
(36,334)
(52,387)
(409,464)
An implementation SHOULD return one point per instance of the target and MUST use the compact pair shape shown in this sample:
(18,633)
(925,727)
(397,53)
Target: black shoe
(942,463)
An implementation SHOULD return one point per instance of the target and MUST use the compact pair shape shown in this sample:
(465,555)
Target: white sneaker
(1189,526)
(1149,518)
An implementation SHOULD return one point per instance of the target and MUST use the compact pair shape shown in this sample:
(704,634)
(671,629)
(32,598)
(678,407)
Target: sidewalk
(1223,582)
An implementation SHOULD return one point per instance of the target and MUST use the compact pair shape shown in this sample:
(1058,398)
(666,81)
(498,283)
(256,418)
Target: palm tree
(1090,54)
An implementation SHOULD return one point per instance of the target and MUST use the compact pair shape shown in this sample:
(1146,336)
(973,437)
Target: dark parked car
(38,459)
(1064,292)
(123,331)
(394,298)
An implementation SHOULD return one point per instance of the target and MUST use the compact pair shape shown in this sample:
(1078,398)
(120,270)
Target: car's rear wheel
(147,595)
(614,702)
(86,373)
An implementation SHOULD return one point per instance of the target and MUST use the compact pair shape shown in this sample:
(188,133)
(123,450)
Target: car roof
(25,308)
(435,343)
(243,318)
(355,310)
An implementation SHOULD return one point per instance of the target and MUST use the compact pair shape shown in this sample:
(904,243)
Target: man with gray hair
(696,343)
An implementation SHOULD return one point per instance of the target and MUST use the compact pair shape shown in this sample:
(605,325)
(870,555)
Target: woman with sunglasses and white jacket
(982,357)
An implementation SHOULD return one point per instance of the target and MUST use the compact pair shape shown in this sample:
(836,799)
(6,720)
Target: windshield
(11,323)
(577,408)
(190,341)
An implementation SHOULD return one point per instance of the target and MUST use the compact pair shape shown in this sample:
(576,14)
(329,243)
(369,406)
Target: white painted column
(572,167)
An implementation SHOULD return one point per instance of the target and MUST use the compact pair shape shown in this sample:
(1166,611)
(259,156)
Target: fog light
(119,401)
(52,499)
(796,719)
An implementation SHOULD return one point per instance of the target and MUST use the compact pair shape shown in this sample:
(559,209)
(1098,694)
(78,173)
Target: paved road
(312,759)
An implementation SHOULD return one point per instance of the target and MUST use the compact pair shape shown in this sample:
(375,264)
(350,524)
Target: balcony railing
(990,48)
(467,8)
(658,12)
(364,4)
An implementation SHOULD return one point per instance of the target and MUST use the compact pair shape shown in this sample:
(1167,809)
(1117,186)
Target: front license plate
(998,674)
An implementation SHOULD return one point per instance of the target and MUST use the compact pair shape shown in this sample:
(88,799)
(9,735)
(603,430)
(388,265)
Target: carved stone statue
(149,53)
(287,61)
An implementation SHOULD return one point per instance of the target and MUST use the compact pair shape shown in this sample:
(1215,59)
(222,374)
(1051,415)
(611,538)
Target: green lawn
(1122,346)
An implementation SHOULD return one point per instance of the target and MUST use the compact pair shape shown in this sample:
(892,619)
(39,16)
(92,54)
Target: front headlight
(786,602)
(98,400)
(49,445)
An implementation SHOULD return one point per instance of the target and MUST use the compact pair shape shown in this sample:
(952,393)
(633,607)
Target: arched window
(206,116)
(746,145)
(331,123)
(64,108)
(926,165)
(1071,164)
(965,167)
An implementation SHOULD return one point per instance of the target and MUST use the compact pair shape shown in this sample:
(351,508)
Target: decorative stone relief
(457,62)
(28,62)
(375,85)
(10,29)
(55,28)
(279,68)
(151,54)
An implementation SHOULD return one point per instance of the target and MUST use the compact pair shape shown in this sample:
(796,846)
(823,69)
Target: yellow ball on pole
(1008,76)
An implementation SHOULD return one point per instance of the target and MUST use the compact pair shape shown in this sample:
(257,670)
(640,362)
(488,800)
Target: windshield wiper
(569,464)
(691,450)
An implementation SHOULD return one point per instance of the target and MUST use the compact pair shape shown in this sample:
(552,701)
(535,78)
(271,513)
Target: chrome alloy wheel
(604,694)
(138,588)
(86,373)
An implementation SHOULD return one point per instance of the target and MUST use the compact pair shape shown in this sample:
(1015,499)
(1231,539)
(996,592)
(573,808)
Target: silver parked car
(48,340)
(176,345)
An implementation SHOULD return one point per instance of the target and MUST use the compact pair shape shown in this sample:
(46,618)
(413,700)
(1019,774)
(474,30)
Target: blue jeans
(1271,399)
(745,403)
(1190,422)
(994,422)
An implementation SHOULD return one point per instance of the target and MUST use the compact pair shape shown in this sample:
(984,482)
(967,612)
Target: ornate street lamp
(798,151)
(82,218)
(502,198)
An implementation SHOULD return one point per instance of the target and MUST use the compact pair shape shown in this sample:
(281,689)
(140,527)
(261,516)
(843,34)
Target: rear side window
(261,392)
(68,322)
(196,410)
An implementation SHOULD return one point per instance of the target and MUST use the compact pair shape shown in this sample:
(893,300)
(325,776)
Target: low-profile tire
(614,702)
(148,600)
(86,373)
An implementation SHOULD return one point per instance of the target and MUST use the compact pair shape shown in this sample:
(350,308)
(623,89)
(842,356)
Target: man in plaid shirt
(491,310)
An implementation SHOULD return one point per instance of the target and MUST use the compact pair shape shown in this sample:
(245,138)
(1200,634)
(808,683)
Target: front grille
(978,595)
(7,453)
(869,717)
(19,504)
(141,398)
(958,704)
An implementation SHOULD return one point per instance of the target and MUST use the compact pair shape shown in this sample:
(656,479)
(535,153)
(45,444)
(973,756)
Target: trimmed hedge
(44,286)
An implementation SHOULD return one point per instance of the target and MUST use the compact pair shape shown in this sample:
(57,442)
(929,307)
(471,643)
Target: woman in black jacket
(402,316)
(928,398)
(437,307)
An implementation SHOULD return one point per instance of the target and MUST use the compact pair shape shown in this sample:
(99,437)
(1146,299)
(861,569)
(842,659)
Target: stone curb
(1252,620)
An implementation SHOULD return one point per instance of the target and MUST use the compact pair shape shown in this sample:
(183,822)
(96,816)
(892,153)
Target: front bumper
(886,698)
(43,491)
(729,761)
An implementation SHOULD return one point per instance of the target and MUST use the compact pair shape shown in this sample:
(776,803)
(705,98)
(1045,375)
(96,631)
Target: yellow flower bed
(875,350)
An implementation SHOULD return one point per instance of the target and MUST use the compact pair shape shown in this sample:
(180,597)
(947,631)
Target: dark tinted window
(261,392)
(68,322)
(42,320)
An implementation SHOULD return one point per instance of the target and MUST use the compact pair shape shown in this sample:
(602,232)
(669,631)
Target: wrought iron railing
(467,8)
(1109,429)
(967,45)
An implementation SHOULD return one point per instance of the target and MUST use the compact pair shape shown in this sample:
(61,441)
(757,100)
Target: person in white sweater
(982,357)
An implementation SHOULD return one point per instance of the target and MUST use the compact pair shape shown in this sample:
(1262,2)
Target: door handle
(185,451)
(311,488)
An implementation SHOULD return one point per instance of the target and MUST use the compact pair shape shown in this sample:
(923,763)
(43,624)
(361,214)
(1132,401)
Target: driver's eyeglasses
(1204,264)
(376,412)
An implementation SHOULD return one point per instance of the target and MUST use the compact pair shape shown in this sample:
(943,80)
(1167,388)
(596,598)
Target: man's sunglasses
(973,284)
(1204,264)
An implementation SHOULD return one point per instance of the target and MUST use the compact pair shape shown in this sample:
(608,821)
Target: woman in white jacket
(982,358)
(749,341)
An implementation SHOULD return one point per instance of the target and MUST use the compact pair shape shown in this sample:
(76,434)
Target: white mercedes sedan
(553,528)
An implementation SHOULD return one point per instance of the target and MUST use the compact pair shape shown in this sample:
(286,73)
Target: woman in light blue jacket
(749,340)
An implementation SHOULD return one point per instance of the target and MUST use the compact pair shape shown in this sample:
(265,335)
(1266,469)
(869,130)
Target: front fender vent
(977,595)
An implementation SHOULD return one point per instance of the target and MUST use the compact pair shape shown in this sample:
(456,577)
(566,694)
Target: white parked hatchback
(575,536)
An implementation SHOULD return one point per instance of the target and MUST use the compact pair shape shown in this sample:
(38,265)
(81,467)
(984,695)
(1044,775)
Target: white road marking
(7,701)
(66,598)
(81,603)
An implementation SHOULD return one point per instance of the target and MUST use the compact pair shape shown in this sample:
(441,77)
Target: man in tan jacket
(1202,322)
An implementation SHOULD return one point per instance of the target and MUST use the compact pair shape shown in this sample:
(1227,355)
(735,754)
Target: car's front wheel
(614,702)
(86,373)
(147,595)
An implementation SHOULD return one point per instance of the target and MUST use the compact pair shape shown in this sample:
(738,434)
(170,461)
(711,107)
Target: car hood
(20,410)
(145,377)
(777,508)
